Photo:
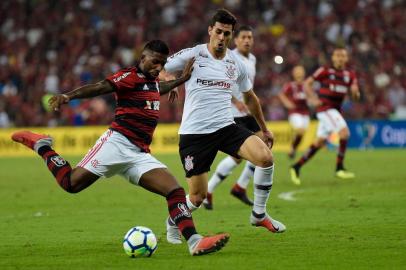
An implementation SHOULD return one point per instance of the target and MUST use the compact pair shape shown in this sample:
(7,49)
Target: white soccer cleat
(172,233)
(267,222)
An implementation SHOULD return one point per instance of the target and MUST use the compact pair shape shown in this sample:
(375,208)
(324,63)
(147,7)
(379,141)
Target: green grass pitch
(332,224)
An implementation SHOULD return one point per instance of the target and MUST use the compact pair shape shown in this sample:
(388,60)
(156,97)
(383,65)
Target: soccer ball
(139,242)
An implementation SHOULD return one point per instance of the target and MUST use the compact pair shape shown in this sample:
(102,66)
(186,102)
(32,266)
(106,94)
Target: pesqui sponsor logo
(221,84)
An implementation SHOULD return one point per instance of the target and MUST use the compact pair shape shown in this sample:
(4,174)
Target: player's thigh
(106,157)
(198,185)
(197,153)
(256,151)
(159,181)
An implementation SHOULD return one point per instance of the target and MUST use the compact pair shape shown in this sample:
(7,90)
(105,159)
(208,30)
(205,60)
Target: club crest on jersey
(189,163)
(58,161)
(346,78)
(332,77)
(184,209)
(230,73)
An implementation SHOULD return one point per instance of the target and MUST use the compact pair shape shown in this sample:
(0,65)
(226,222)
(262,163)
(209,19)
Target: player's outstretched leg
(255,150)
(263,179)
(160,181)
(71,180)
(341,172)
(224,168)
(239,190)
(295,143)
(295,169)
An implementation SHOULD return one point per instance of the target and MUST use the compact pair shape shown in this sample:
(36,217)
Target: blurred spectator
(50,47)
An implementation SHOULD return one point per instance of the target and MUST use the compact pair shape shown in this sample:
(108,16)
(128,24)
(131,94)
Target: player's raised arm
(355,93)
(254,107)
(85,91)
(311,95)
(285,101)
(166,86)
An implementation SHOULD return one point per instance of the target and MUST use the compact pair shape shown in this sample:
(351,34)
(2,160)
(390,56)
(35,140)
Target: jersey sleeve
(123,79)
(319,73)
(243,80)
(177,61)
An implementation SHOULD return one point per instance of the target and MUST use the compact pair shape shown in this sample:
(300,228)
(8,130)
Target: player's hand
(187,71)
(356,95)
(268,138)
(173,95)
(55,102)
(241,106)
(315,102)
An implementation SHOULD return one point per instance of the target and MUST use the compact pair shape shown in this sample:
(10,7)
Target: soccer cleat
(241,194)
(172,232)
(208,202)
(294,175)
(343,174)
(209,244)
(269,223)
(32,140)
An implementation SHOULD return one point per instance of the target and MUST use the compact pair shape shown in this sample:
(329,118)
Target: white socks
(263,178)
(246,175)
(190,205)
(224,169)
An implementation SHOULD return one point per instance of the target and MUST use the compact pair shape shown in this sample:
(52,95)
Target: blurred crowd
(52,46)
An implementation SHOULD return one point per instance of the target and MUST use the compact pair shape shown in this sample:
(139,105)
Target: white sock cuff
(190,205)
(266,169)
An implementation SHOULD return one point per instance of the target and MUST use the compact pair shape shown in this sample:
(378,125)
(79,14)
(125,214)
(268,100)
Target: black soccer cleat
(241,194)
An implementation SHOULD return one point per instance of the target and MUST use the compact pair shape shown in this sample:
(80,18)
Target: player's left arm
(254,106)
(166,86)
(354,89)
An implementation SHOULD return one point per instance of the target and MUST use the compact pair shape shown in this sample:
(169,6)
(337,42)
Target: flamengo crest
(58,161)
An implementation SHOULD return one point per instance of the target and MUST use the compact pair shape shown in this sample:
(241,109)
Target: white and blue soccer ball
(140,242)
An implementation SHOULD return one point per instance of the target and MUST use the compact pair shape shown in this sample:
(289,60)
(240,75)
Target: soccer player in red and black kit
(293,98)
(124,148)
(335,83)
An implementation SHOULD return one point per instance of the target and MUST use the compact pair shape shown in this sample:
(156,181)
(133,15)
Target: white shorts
(115,154)
(330,121)
(299,121)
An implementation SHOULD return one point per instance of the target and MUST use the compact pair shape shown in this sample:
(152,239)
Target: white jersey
(208,92)
(249,63)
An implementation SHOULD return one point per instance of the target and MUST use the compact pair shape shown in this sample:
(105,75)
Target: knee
(300,131)
(344,134)
(264,159)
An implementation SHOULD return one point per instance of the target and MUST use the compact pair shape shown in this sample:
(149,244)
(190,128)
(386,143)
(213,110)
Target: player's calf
(58,166)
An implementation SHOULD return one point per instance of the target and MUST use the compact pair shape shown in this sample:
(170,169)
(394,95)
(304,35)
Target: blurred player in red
(124,148)
(293,98)
(335,83)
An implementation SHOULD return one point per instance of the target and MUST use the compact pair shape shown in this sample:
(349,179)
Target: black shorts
(197,151)
(248,122)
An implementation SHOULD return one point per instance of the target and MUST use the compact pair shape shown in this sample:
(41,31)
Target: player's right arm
(311,95)
(85,91)
(284,98)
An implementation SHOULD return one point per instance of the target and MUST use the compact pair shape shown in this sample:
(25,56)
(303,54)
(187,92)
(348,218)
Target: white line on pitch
(290,195)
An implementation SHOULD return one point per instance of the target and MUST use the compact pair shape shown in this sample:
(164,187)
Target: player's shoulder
(252,58)
(185,51)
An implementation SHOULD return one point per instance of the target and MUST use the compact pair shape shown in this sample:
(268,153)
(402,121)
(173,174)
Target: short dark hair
(158,46)
(243,28)
(223,16)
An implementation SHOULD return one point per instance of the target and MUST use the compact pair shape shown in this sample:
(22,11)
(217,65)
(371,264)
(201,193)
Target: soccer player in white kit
(244,41)
(208,126)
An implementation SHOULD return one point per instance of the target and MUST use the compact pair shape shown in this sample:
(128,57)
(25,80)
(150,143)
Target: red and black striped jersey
(295,93)
(334,85)
(137,109)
